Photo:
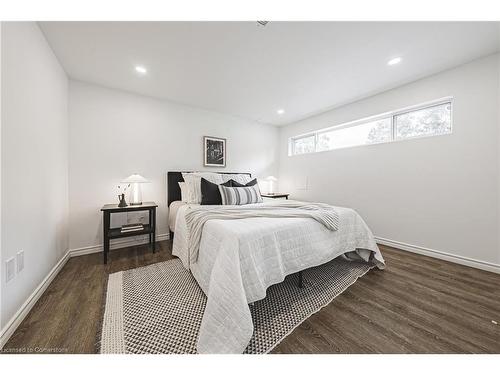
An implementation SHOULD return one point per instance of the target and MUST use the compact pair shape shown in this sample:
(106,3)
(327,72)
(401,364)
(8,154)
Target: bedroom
(256,187)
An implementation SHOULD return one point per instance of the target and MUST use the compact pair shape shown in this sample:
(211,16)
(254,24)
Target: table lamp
(270,183)
(135,182)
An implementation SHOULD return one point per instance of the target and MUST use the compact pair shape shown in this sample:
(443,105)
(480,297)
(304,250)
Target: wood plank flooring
(417,305)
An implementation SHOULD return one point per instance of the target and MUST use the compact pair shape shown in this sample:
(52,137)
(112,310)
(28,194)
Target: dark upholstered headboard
(173,188)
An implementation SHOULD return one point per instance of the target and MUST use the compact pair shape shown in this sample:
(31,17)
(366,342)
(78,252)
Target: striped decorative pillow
(240,195)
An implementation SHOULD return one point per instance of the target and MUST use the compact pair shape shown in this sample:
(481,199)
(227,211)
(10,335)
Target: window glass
(433,120)
(303,145)
(370,132)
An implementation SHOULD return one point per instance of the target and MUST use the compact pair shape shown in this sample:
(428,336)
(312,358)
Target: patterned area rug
(158,308)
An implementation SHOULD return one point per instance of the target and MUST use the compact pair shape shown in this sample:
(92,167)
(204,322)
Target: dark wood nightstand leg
(105,228)
(154,229)
(150,224)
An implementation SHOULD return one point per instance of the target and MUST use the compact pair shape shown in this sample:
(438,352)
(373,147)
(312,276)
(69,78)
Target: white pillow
(193,183)
(240,178)
(184,192)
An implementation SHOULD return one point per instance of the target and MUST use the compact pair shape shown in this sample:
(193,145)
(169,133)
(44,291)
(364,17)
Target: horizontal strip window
(424,120)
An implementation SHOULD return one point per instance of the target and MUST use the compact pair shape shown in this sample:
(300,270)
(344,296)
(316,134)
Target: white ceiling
(247,70)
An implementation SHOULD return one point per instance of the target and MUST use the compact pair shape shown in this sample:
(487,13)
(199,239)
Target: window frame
(386,115)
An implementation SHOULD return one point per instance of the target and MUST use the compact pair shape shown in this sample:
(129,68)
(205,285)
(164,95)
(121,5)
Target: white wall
(2,275)
(441,192)
(498,172)
(34,157)
(114,134)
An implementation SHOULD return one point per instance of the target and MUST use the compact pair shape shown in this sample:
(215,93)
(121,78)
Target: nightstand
(275,195)
(112,233)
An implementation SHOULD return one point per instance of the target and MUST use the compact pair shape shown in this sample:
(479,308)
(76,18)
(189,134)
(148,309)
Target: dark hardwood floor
(417,305)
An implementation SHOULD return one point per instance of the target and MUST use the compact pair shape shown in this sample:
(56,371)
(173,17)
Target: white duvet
(239,259)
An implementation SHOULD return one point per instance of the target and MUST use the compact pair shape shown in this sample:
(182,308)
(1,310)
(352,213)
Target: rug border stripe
(112,337)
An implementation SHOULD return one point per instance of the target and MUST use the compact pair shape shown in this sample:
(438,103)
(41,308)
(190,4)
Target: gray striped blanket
(196,217)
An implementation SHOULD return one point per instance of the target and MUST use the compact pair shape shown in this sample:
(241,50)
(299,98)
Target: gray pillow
(240,195)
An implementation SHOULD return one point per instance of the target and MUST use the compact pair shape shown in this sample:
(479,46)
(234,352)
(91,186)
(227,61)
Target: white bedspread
(196,218)
(172,213)
(239,259)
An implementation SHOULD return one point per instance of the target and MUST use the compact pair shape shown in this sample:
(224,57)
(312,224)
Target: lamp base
(135,198)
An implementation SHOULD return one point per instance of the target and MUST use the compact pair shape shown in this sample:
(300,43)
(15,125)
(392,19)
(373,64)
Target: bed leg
(301,281)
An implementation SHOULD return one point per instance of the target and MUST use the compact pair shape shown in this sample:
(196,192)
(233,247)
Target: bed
(238,260)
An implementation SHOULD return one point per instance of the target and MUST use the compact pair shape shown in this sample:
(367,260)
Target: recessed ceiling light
(394,61)
(140,69)
(280,111)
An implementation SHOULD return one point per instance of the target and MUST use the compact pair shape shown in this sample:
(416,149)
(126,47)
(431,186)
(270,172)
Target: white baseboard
(486,266)
(117,244)
(19,316)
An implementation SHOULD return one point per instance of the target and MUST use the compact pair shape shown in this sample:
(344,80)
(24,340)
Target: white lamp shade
(135,179)
(270,183)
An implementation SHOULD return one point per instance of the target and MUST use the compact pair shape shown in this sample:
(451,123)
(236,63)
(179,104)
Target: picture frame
(214,150)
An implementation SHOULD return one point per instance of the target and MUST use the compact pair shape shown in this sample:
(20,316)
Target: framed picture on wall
(215,151)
